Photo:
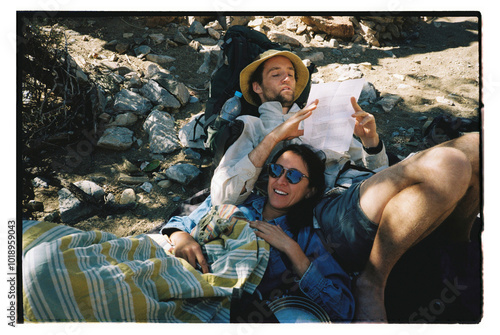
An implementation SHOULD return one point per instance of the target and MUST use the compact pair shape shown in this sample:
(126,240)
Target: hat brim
(301,73)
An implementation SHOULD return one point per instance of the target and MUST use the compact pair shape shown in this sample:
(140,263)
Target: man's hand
(187,248)
(290,128)
(287,130)
(365,127)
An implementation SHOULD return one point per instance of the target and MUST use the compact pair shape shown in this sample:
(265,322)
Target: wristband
(374,150)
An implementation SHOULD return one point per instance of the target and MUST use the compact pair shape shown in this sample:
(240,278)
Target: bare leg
(409,200)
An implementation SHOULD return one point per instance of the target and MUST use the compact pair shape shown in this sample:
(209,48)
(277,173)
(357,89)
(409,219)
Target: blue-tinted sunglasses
(292,175)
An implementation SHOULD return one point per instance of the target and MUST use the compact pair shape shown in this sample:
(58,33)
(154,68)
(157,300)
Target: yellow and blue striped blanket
(74,275)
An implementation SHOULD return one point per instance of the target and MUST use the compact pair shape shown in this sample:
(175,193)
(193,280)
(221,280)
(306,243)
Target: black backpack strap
(348,166)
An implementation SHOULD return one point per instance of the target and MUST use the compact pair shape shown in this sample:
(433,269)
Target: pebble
(165,183)
(127,196)
(35,206)
(183,173)
(39,182)
(118,138)
(147,187)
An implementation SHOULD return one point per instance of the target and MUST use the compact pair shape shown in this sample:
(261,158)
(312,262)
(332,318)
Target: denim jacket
(325,282)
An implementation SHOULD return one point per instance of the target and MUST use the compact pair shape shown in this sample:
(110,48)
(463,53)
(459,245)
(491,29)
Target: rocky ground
(431,69)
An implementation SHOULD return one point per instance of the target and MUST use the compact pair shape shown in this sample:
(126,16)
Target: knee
(449,167)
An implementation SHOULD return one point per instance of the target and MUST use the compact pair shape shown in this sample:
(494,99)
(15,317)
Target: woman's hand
(277,238)
(365,127)
(273,235)
(187,248)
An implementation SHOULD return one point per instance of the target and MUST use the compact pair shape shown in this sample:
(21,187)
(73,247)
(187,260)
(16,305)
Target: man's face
(278,81)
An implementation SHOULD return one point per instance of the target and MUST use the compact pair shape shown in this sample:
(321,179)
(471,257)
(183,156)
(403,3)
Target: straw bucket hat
(301,73)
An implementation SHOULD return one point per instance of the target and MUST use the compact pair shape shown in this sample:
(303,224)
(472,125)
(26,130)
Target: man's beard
(286,101)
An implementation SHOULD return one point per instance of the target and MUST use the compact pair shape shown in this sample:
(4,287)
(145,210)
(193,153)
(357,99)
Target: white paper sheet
(331,125)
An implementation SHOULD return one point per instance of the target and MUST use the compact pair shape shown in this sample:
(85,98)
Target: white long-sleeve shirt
(236,172)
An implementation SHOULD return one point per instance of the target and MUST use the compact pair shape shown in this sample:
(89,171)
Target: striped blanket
(74,275)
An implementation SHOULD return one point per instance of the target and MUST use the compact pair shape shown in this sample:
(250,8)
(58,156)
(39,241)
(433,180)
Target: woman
(74,275)
(298,263)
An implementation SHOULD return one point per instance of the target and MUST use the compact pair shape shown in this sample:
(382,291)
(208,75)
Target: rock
(118,138)
(161,129)
(302,28)
(126,100)
(191,134)
(71,209)
(165,183)
(176,88)
(291,25)
(365,65)
(142,51)
(109,65)
(39,182)
(368,94)
(180,38)
(128,167)
(157,38)
(128,196)
(195,45)
(153,69)
(123,71)
(348,71)
(334,43)
(443,100)
(278,37)
(206,41)
(239,20)
(256,23)
(146,187)
(394,30)
(213,33)
(197,28)
(277,20)
(335,26)
(206,63)
(132,180)
(399,77)
(389,101)
(316,57)
(134,81)
(124,120)
(191,154)
(110,198)
(182,173)
(121,48)
(35,206)
(320,37)
(160,59)
(158,95)
(52,217)
(214,25)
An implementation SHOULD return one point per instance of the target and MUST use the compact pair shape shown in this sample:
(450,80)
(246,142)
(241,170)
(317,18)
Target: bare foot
(369,300)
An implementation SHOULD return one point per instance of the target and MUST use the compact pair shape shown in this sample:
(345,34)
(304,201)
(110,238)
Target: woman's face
(283,194)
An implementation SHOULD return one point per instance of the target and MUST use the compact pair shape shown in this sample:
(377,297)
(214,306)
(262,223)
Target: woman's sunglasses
(292,175)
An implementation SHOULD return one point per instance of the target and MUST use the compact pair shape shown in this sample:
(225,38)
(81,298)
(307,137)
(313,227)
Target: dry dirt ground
(443,62)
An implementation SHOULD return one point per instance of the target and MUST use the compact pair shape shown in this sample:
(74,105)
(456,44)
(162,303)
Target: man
(372,223)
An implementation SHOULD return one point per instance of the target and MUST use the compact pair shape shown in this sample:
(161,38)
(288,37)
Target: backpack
(241,46)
